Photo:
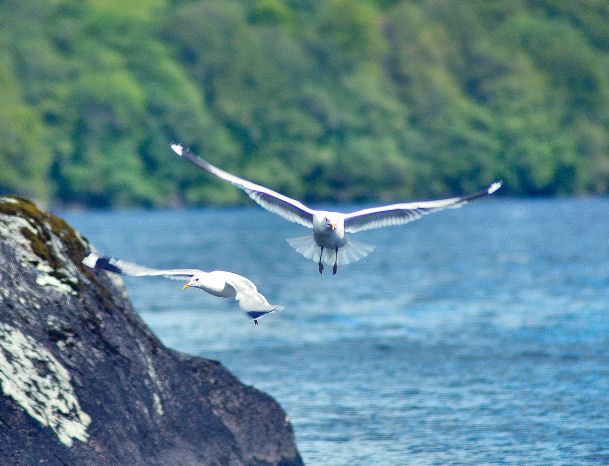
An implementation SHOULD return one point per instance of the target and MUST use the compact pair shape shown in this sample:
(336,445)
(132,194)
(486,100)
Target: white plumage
(329,243)
(217,283)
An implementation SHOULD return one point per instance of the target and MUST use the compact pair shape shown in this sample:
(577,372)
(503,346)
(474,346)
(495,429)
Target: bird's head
(330,224)
(194,281)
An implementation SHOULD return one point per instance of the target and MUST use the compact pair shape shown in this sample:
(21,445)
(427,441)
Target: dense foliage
(319,99)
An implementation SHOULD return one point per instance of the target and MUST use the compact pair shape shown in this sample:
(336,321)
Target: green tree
(24,156)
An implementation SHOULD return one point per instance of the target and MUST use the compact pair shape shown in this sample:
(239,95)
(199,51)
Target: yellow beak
(332,227)
(186,286)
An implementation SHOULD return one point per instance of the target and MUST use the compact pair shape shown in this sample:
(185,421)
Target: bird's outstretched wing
(112,264)
(396,214)
(245,293)
(288,208)
(253,303)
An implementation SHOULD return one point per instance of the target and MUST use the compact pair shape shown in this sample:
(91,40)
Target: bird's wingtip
(177,148)
(102,263)
(494,187)
(90,260)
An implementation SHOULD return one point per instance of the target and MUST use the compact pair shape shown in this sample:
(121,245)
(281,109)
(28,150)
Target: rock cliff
(84,381)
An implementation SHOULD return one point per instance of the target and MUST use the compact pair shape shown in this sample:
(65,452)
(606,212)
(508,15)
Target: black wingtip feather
(257,314)
(104,263)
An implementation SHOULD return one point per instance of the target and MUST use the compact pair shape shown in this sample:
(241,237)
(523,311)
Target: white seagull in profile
(329,243)
(217,283)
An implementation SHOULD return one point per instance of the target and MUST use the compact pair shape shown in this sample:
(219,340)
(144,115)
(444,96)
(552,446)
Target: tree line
(323,100)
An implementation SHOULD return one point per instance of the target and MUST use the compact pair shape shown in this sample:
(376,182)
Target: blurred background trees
(323,100)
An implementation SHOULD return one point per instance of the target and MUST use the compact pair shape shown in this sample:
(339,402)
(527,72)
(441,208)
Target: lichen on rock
(32,376)
(42,237)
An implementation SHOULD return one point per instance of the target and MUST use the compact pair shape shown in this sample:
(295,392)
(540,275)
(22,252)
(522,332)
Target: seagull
(329,242)
(217,283)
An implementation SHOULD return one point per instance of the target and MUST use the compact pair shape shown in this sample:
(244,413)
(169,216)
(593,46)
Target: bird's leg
(321,266)
(335,268)
(255,322)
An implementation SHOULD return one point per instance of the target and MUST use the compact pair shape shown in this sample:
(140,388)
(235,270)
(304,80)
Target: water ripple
(472,336)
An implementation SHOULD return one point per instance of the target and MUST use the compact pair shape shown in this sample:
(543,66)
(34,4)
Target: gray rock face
(84,381)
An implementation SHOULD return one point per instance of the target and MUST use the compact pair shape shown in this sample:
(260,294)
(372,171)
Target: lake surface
(476,335)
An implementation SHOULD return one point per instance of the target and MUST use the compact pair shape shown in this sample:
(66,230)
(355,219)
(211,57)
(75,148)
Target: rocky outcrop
(84,381)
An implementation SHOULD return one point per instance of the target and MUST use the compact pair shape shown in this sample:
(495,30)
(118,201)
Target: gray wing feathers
(397,214)
(288,208)
(247,294)
(376,218)
(112,264)
(285,207)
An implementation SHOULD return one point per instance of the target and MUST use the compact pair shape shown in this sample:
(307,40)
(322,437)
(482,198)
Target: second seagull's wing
(112,264)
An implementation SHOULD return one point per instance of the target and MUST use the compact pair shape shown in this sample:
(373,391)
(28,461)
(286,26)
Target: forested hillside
(319,99)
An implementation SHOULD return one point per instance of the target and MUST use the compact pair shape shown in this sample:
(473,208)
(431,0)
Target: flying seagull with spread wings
(217,283)
(329,243)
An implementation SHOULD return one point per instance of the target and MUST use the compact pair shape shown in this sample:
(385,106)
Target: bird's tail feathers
(350,252)
(353,251)
(306,246)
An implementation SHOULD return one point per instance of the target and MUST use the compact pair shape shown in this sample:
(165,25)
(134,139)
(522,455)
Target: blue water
(477,335)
